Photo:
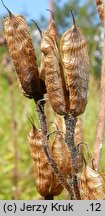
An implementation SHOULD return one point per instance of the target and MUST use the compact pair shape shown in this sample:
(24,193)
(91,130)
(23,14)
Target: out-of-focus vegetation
(16,176)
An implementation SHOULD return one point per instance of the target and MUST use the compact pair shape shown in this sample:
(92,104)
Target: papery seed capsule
(42,170)
(78,139)
(92,185)
(73,49)
(54,79)
(60,156)
(51,30)
(100,8)
(41,73)
(23,56)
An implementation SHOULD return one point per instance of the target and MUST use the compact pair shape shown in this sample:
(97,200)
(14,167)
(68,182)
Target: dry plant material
(73,49)
(51,31)
(54,79)
(47,183)
(42,170)
(92,185)
(100,9)
(61,156)
(23,56)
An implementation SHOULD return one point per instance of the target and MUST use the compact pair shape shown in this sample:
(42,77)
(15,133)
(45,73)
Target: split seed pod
(73,49)
(23,56)
(92,185)
(42,170)
(100,9)
(54,79)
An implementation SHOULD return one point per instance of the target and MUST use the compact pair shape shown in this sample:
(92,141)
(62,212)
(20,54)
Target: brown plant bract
(54,79)
(100,9)
(42,170)
(74,55)
(23,56)
(92,185)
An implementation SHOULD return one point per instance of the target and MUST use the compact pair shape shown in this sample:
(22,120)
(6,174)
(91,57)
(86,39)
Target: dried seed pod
(54,79)
(23,56)
(42,68)
(59,154)
(42,170)
(51,31)
(73,49)
(92,185)
(78,138)
(100,9)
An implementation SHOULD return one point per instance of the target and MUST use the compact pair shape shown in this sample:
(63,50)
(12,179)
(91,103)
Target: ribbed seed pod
(42,170)
(92,185)
(42,68)
(73,49)
(100,9)
(60,156)
(78,138)
(54,79)
(51,30)
(23,56)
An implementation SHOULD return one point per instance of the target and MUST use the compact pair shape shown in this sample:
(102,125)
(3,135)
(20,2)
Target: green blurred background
(16,176)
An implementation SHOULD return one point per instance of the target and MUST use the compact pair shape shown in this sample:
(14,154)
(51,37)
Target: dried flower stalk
(101,116)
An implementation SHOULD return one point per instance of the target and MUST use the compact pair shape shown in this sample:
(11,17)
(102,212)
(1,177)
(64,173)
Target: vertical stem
(70,122)
(101,116)
(42,118)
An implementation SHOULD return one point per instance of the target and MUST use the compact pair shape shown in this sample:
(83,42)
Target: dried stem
(70,122)
(101,117)
(42,118)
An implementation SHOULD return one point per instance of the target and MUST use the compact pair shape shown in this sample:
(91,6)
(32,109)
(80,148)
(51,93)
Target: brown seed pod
(42,170)
(52,31)
(23,56)
(73,49)
(100,9)
(54,79)
(60,156)
(92,185)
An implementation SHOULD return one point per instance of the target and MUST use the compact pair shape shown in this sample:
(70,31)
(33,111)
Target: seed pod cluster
(47,183)
(92,185)
(100,9)
(54,78)
(73,49)
(23,56)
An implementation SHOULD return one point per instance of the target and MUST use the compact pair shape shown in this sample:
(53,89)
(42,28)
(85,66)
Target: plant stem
(70,122)
(101,116)
(42,118)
